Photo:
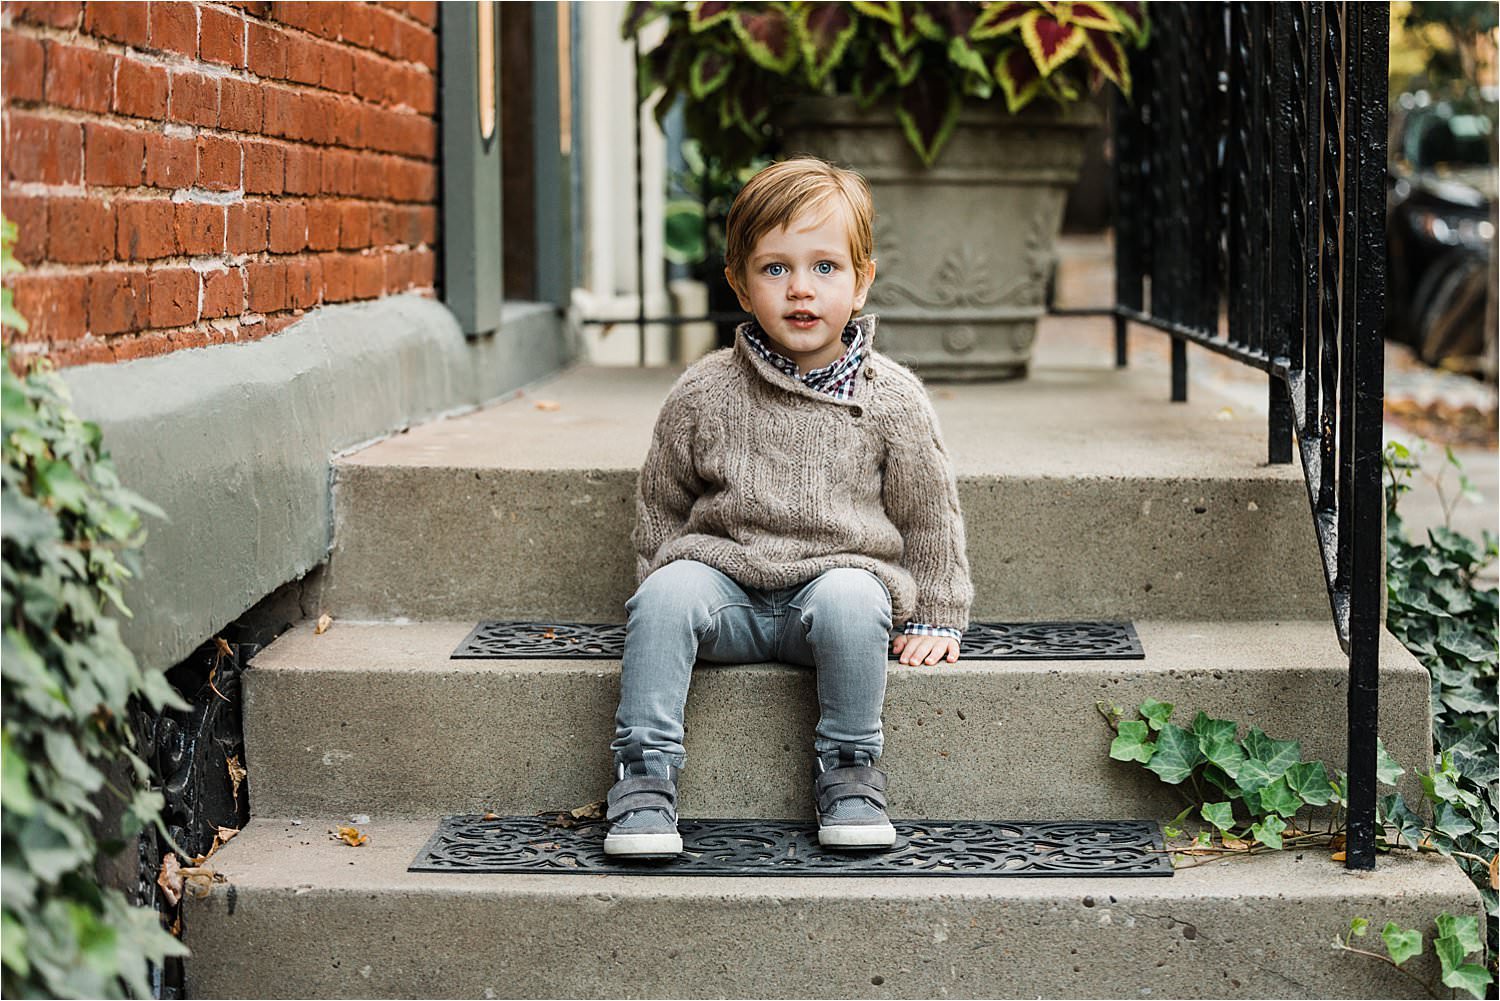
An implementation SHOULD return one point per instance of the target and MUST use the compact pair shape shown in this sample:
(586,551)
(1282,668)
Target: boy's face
(801,285)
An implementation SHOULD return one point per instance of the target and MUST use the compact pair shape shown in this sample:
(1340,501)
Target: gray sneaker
(850,795)
(642,811)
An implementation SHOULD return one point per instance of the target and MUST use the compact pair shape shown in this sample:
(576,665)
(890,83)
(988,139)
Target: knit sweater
(773,483)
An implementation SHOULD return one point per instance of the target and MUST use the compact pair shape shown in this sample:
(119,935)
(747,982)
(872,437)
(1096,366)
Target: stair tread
(1074,420)
(1169,645)
(274,853)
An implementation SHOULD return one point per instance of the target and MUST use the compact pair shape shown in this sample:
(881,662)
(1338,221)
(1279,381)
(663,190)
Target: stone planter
(964,248)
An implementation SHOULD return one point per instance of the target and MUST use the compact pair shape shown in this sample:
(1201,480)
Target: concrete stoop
(375,718)
(304,916)
(1086,496)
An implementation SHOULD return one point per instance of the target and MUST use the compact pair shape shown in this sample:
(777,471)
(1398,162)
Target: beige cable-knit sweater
(772,482)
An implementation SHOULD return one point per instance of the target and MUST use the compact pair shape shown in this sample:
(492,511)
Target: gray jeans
(839,622)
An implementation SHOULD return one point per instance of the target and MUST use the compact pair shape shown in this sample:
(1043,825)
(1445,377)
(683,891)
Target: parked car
(1441,227)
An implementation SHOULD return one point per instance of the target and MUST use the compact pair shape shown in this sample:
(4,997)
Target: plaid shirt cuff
(923,629)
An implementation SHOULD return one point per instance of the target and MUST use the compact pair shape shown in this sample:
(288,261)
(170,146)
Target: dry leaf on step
(1495,873)
(1336,857)
(324,621)
(589,811)
(492,815)
(1236,845)
(170,878)
(548,405)
(236,773)
(350,836)
(200,881)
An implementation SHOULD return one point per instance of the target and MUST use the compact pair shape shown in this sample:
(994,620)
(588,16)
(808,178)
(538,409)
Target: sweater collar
(865,325)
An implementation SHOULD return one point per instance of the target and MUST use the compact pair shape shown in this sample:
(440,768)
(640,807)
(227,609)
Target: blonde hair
(779,193)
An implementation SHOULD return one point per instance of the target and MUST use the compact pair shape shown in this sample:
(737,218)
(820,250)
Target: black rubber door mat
(472,844)
(982,641)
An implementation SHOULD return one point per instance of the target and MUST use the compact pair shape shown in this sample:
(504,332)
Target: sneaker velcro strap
(856,780)
(641,792)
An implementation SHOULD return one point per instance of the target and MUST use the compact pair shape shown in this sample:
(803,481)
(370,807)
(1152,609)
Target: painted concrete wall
(234,442)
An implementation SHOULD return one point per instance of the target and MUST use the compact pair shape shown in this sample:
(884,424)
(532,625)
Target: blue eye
(775,270)
(824,267)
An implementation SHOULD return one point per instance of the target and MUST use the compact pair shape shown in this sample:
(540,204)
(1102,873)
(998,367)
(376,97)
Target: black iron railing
(1250,220)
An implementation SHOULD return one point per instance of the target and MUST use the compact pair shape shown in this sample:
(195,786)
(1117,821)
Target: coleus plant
(734,63)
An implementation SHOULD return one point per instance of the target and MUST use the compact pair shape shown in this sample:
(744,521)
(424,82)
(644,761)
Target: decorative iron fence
(1250,220)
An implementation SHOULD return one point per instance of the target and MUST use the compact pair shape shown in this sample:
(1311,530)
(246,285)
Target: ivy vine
(70,538)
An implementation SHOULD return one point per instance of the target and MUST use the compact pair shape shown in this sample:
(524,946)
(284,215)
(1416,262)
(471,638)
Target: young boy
(796,501)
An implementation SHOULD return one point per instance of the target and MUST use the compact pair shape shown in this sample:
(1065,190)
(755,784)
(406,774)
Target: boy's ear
(866,280)
(738,294)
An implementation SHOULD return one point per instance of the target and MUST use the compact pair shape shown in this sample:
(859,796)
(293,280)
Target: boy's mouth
(802,319)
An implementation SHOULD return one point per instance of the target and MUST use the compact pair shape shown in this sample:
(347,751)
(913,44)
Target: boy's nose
(800,286)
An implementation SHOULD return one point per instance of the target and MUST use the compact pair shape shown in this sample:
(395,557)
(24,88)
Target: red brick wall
(185,174)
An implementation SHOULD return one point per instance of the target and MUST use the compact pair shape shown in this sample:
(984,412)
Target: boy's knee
(851,595)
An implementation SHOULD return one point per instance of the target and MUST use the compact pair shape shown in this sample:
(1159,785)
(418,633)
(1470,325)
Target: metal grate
(982,641)
(790,848)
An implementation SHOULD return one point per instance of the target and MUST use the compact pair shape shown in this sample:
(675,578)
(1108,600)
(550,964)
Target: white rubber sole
(643,844)
(857,836)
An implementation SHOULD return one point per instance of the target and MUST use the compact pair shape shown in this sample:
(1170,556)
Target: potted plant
(969,120)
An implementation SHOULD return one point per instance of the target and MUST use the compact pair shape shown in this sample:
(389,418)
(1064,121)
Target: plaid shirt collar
(836,378)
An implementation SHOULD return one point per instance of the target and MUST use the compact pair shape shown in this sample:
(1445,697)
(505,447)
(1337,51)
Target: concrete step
(303,916)
(374,718)
(1085,493)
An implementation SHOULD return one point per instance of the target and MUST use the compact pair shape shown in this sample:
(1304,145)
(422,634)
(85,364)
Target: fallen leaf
(1336,843)
(236,773)
(1236,845)
(170,878)
(492,815)
(589,811)
(548,405)
(350,836)
(200,881)
(177,925)
(549,635)
(1337,856)
(324,621)
(1495,872)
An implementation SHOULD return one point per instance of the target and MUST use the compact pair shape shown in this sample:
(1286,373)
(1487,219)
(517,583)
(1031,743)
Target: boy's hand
(925,649)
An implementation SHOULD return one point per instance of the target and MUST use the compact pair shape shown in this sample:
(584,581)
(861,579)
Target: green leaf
(1176,754)
(1359,926)
(1468,977)
(1464,929)
(1276,756)
(1221,815)
(15,786)
(1408,825)
(1171,832)
(1268,832)
(1226,754)
(1309,780)
(58,480)
(1213,731)
(1156,713)
(1387,770)
(1401,943)
(13,945)
(1279,798)
(1132,744)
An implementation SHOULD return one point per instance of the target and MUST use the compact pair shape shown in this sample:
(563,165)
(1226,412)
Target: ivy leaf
(1465,929)
(1176,754)
(1268,831)
(1359,927)
(1221,815)
(1275,755)
(1309,780)
(1210,730)
(1408,825)
(1156,713)
(1132,743)
(1401,943)
(58,480)
(1469,977)
(15,785)
(1387,770)
(1226,754)
(1279,798)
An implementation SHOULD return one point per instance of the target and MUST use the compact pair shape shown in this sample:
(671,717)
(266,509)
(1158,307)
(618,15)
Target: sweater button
(869,373)
(856,411)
